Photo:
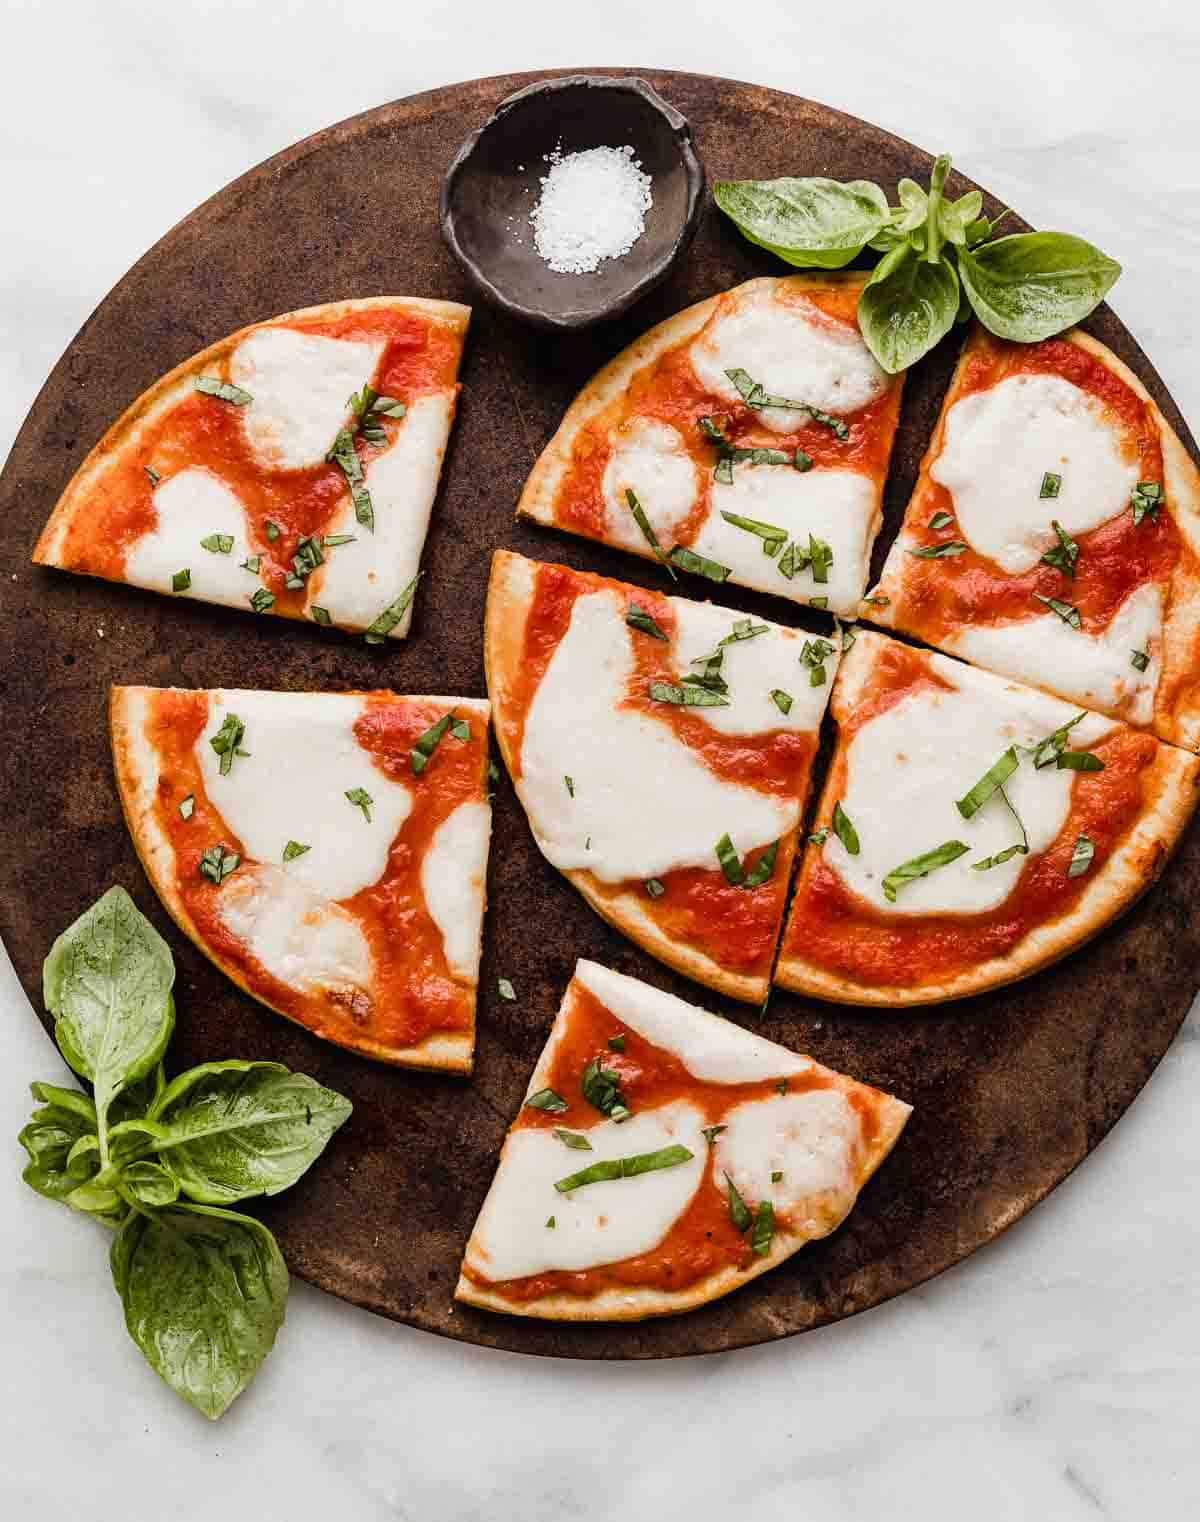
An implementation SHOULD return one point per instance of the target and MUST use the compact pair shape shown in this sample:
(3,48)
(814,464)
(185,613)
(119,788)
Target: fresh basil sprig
(204,1288)
(941,259)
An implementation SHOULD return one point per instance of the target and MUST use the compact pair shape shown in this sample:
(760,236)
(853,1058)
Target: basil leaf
(1146,499)
(570,786)
(818,602)
(1051,485)
(1139,659)
(295,848)
(1029,286)
(819,837)
(506,990)
(617,1043)
(768,532)
(637,618)
(764,1229)
(272,529)
(651,538)
(1081,856)
(601,1087)
(848,638)
(345,456)
(217,544)
(781,699)
(224,391)
(1065,611)
(252,563)
(820,557)
(878,602)
(217,862)
(152,475)
(710,1133)
(921,866)
(731,863)
(361,799)
(762,869)
(204,1292)
(906,307)
(625,1167)
(1065,553)
(941,520)
(547,1099)
(792,560)
(234,1130)
(320,616)
(690,696)
(107,982)
(262,601)
(51,1136)
(187,806)
(1000,857)
(181,581)
(995,777)
(844,830)
(653,887)
(574,1139)
(936,551)
(739,1211)
(687,560)
(392,614)
(550,1222)
(1078,761)
(427,743)
(150,1183)
(1045,750)
(811,222)
(227,742)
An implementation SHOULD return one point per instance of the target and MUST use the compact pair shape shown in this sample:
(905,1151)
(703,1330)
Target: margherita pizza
(745,439)
(664,1157)
(327,851)
(970,830)
(662,750)
(290,468)
(1054,534)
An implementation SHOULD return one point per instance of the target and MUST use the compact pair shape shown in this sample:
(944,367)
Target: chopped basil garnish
(995,777)
(848,638)
(1046,750)
(735,874)
(1020,848)
(781,1087)
(781,699)
(936,551)
(330,541)
(776,1175)
(550,1222)
(844,830)
(652,885)
(218,862)
(756,397)
(217,544)
(617,1043)
(625,1167)
(739,1211)
(941,520)
(252,563)
(1068,614)
(710,1133)
(570,786)
(320,615)
(700,565)
(575,1139)
(547,1099)
(506,990)
(152,475)
(1078,761)
(792,560)
(637,618)
(368,407)
(602,1089)
(764,1229)
(392,614)
(272,529)
(224,391)
(427,743)
(361,799)
(227,742)
(293,849)
(651,538)
(262,601)
(730,454)
(689,696)
(769,533)
(1065,553)
(188,806)
(878,602)
(1051,485)
(921,866)
(1139,659)
(1146,499)
(819,837)
(813,654)
(1081,856)
(181,581)
(345,456)
(820,557)
(818,602)
(308,557)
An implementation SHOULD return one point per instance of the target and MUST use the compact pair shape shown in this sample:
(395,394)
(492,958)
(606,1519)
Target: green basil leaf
(1065,553)
(575,1139)
(764,1229)
(710,1133)
(1030,286)
(1081,856)
(1065,610)
(731,862)
(217,862)
(700,565)
(506,990)
(625,1167)
(150,1183)
(651,538)
(781,699)
(1078,761)
(921,866)
(1051,485)
(1146,499)
(427,743)
(995,777)
(182,581)
(84,1160)
(690,696)
(295,848)
(1139,659)
(941,520)
(227,742)
(653,887)
(768,532)
(547,1099)
(1045,750)
(819,837)
(936,551)
(224,391)
(234,1130)
(637,618)
(50,1136)
(392,614)
(906,307)
(811,222)
(107,982)
(217,544)
(361,799)
(262,601)
(762,869)
(844,830)
(204,1292)
(739,1211)
(96,1198)
(617,1043)
(601,1087)
(1000,857)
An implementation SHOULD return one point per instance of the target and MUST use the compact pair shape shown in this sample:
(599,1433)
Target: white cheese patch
(302,759)
(651,459)
(298,935)
(598,1224)
(1095,670)
(191,506)
(359,580)
(1000,443)
(792,350)
(812,1139)
(838,506)
(713,1050)
(643,802)
(753,668)
(453,873)
(906,767)
(299,383)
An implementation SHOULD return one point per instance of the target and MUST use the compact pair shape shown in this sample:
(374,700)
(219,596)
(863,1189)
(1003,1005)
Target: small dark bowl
(495,181)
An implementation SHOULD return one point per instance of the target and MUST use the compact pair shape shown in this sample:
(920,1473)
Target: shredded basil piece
(575,1139)
(936,551)
(217,544)
(331,541)
(921,866)
(547,1099)
(941,520)
(637,618)
(652,885)
(844,830)
(308,557)
(601,1087)
(813,654)
(460,730)
(227,742)
(187,806)
(782,1086)
(217,862)
(690,696)
(224,391)
(710,1133)
(625,1167)
(1078,761)
(1139,659)
(1065,553)
(181,581)
(293,849)
(781,699)
(272,529)
(1146,499)
(1046,750)
(344,455)
(776,1175)
(262,601)
(764,1229)
(770,533)
(995,777)
(1068,614)
(762,869)
(792,560)
(818,602)
(1020,848)
(152,475)
(739,1211)
(1051,485)
(848,638)
(651,538)
(700,565)
(1081,856)
(506,990)
(320,615)
(757,398)
(550,1222)
(820,557)
(252,563)
(878,602)
(427,743)
(361,799)
(735,874)
(392,614)
(819,837)
(617,1043)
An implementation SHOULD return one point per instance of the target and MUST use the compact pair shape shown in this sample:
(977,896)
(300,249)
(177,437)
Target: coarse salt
(592,207)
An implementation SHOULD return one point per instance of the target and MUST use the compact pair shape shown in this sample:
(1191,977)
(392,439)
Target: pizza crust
(135,765)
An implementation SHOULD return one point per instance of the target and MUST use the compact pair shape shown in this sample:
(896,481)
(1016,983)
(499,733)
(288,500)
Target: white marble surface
(1054,1376)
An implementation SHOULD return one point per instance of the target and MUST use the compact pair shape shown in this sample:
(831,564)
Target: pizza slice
(290,468)
(745,439)
(662,750)
(970,831)
(328,851)
(664,1157)
(1054,534)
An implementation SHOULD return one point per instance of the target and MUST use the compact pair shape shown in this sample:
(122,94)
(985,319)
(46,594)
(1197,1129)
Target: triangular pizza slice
(744,439)
(662,750)
(328,851)
(290,468)
(663,1157)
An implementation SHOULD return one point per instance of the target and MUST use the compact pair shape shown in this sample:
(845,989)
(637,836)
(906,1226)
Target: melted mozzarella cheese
(998,446)
(359,580)
(792,350)
(452,881)
(1092,669)
(752,668)
(598,1224)
(812,1139)
(643,802)
(303,757)
(299,383)
(650,459)
(713,1050)
(298,935)
(838,506)
(190,506)
(906,767)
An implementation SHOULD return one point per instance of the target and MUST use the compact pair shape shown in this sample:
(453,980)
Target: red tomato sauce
(413,992)
(941,596)
(668,390)
(703,1240)
(421,357)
